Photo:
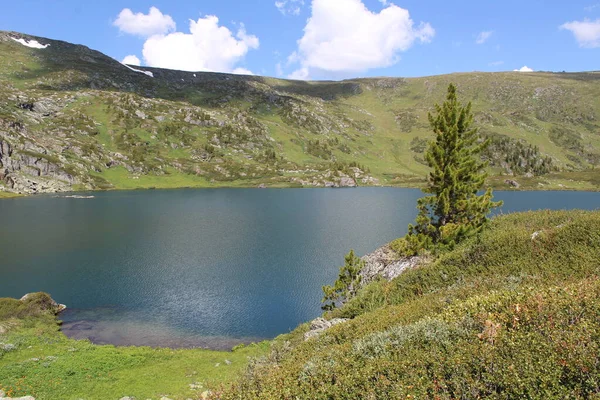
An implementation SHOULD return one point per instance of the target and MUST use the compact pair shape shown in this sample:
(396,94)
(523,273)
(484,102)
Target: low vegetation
(513,312)
(36,359)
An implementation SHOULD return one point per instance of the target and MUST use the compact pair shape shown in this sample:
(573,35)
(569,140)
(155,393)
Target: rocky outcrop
(320,325)
(30,169)
(44,301)
(384,263)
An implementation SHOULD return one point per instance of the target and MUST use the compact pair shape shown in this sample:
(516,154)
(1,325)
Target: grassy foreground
(513,313)
(38,360)
(508,314)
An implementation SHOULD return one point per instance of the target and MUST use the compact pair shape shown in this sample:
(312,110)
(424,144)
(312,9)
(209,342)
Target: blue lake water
(208,268)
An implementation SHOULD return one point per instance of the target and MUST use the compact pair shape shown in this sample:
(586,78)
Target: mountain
(72,118)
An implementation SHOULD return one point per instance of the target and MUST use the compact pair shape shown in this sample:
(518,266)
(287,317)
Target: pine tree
(454,210)
(347,279)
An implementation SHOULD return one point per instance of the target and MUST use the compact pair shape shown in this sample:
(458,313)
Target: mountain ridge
(72,118)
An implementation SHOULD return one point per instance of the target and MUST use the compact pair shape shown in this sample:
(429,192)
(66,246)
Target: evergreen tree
(348,277)
(454,210)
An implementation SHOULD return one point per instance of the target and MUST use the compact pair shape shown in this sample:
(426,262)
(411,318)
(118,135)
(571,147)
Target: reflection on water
(207,268)
(110,326)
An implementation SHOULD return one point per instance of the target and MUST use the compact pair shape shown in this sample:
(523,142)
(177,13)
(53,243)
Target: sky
(324,39)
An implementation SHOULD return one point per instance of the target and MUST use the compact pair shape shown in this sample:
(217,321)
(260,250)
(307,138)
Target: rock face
(320,325)
(384,263)
(346,181)
(30,170)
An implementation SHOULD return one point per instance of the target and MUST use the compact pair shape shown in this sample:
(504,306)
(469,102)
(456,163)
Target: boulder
(512,183)
(384,263)
(320,325)
(346,181)
(45,302)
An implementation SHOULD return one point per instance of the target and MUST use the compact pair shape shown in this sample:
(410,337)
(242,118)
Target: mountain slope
(73,119)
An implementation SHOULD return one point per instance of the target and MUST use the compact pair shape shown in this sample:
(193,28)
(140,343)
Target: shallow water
(203,268)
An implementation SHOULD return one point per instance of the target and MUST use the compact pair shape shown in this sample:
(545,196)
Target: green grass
(8,195)
(36,359)
(501,316)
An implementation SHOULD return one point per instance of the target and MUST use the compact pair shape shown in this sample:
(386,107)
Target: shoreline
(501,188)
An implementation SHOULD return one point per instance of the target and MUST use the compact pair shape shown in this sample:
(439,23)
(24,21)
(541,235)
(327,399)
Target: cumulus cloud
(483,37)
(524,69)
(343,36)
(208,47)
(132,60)
(289,7)
(145,25)
(586,32)
(242,71)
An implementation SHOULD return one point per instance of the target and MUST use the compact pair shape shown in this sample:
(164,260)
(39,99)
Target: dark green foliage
(319,149)
(418,145)
(348,277)
(566,138)
(454,211)
(516,157)
(571,140)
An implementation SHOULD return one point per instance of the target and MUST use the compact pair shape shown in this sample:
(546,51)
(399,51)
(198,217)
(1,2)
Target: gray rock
(384,263)
(512,183)
(346,181)
(320,325)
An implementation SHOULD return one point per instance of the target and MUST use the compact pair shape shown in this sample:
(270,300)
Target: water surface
(208,268)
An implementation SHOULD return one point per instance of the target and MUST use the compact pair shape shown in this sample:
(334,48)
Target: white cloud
(524,69)
(301,74)
(496,63)
(289,7)
(242,71)
(483,37)
(132,60)
(278,69)
(207,47)
(344,36)
(146,25)
(587,33)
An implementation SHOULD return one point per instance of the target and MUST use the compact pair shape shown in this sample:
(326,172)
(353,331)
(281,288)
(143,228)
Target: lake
(203,268)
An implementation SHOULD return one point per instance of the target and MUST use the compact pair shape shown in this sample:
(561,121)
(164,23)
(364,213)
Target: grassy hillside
(72,118)
(506,315)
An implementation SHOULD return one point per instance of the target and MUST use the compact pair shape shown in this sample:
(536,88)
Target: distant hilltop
(72,118)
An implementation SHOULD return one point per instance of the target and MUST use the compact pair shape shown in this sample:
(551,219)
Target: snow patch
(34,44)
(150,74)
(194,75)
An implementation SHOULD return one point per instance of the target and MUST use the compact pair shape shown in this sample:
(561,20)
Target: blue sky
(325,39)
